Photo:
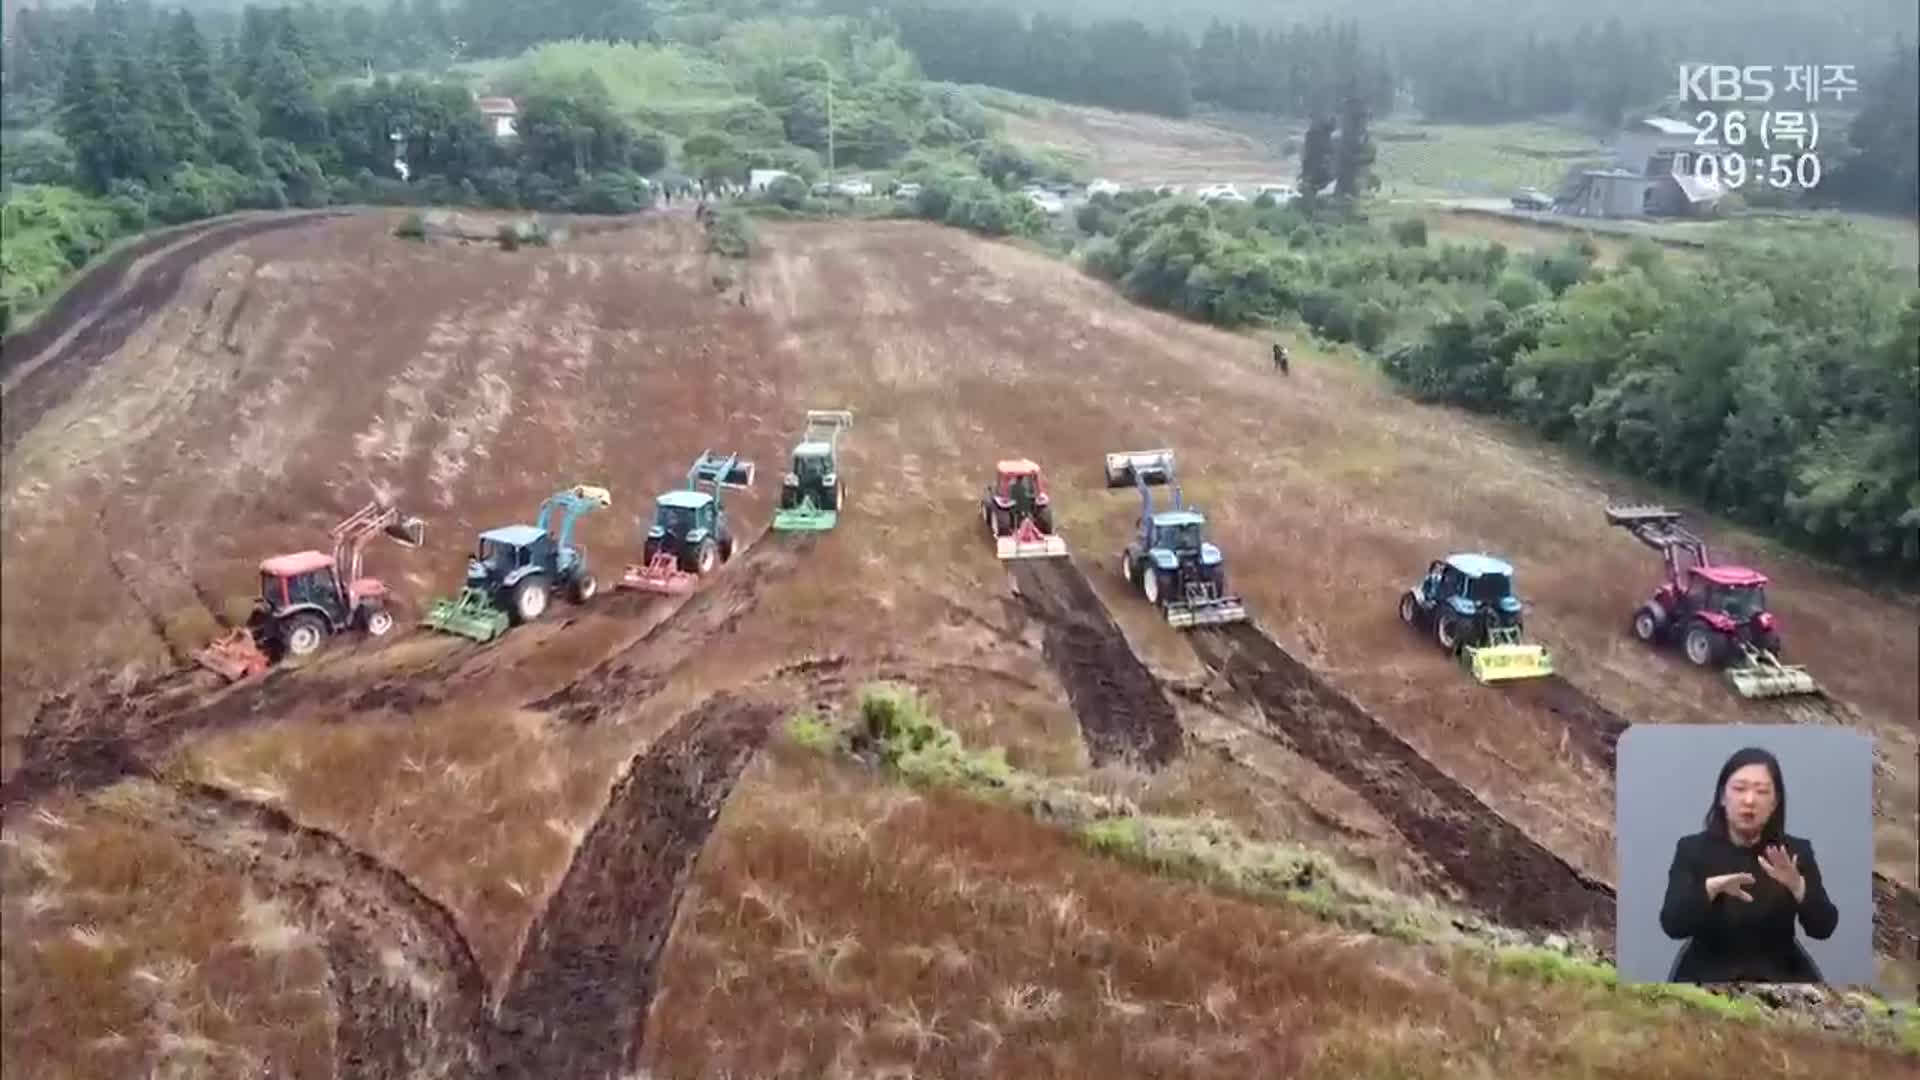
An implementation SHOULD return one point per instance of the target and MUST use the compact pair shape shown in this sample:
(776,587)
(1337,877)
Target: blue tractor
(512,575)
(1467,602)
(1169,559)
(690,536)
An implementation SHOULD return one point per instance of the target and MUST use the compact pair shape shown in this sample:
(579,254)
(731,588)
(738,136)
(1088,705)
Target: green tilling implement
(470,615)
(805,518)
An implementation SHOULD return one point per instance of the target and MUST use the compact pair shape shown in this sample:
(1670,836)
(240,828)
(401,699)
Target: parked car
(860,188)
(1103,187)
(907,191)
(1282,193)
(1532,199)
(1226,193)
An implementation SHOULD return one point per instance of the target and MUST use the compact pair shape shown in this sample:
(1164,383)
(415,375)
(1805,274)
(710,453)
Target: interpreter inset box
(1746,854)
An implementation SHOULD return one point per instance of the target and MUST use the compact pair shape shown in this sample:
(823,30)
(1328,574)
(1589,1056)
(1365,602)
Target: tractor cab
(687,516)
(1471,585)
(813,464)
(506,553)
(1733,592)
(310,578)
(1183,532)
(1018,485)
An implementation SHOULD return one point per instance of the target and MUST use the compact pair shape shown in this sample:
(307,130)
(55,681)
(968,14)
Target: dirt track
(577,1003)
(1496,866)
(1123,713)
(33,391)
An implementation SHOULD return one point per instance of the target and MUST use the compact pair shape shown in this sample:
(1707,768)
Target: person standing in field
(1280,358)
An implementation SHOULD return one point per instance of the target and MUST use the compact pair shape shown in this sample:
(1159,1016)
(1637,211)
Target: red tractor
(1018,513)
(1716,612)
(305,599)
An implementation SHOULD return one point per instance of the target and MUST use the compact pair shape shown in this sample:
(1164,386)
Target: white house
(1654,171)
(762,179)
(501,114)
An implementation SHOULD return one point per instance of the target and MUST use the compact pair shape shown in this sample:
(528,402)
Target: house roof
(685,500)
(1731,575)
(514,535)
(1475,565)
(1698,189)
(497,106)
(1668,126)
(300,562)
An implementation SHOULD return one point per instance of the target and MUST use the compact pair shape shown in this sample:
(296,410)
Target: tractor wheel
(1126,568)
(1219,578)
(706,557)
(1002,522)
(1409,610)
(585,587)
(1645,626)
(830,497)
(1769,643)
(1447,630)
(1704,645)
(1153,584)
(789,497)
(1043,519)
(529,599)
(379,622)
(649,550)
(986,519)
(304,636)
(726,549)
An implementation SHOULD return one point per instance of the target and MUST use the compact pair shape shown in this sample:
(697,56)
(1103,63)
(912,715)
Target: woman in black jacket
(1735,889)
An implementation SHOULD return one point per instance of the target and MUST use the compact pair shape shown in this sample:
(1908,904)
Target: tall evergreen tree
(1316,158)
(87,103)
(183,133)
(1353,159)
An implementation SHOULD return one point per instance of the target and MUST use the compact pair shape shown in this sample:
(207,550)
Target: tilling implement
(1715,611)
(305,598)
(812,493)
(516,568)
(1018,512)
(1169,558)
(690,536)
(1468,603)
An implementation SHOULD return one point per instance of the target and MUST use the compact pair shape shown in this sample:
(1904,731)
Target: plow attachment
(470,615)
(1205,611)
(1762,675)
(807,517)
(662,575)
(233,656)
(1506,657)
(1028,542)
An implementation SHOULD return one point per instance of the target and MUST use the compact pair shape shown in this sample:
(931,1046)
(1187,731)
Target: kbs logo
(1754,84)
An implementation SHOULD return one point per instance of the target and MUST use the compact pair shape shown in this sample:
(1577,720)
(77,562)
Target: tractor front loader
(514,570)
(1170,559)
(309,596)
(690,536)
(1018,512)
(1716,612)
(812,494)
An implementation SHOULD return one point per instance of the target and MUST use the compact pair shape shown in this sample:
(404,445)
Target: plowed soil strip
(712,612)
(576,1005)
(1123,714)
(45,387)
(1593,727)
(411,997)
(1499,868)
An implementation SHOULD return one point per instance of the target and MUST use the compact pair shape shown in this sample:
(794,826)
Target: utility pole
(829,128)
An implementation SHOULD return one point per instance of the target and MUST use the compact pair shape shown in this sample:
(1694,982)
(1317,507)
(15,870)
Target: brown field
(1140,149)
(439,859)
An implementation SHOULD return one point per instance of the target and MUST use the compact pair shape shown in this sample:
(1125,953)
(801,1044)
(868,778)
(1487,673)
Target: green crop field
(1493,160)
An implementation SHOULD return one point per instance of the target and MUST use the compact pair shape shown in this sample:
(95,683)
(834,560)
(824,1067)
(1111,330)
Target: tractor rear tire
(585,587)
(726,549)
(304,635)
(1646,626)
(1002,522)
(529,600)
(1769,643)
(1043,519)
(706,557)
(1126,569)
(789,497)
(1409,610)
(379,622)
(1447,630)
(1155,584)
(1706,647)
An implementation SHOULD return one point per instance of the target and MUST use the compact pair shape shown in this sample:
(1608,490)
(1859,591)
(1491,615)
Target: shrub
(413,227)
(1410,232)
(730,234)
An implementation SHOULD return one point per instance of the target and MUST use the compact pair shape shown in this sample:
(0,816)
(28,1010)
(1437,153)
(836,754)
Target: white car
(1221,193)
(853,187)
(907,190)
(1282,193)
(1103,187)
(1045,200)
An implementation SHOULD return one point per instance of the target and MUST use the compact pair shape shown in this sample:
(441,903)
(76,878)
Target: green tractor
(812,493)
(516,568)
